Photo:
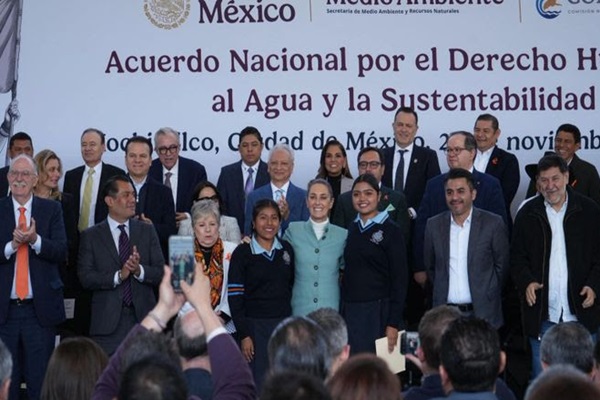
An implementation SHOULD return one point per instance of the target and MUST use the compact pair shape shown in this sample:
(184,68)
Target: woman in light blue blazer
(318,253)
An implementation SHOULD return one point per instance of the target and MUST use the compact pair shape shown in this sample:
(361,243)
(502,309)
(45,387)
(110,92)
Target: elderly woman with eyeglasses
(214,254)
(229,229)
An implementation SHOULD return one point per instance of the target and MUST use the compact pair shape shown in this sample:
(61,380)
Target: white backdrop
(78,65)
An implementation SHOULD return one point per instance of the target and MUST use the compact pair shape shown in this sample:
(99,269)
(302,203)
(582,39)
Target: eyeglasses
(454,151)
(369,164)
(213,198)
(23,174)
(167,150)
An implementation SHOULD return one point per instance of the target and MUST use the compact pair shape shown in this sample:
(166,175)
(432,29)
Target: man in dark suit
(583,176)
(419,163)
(408,167)
(495,161)
(466,252)
(460,153)
(31,298)
(371,161)
(76,180)
(237,180)
(178,173)
(19,143)
(154,203)
(121,262)
(290,198)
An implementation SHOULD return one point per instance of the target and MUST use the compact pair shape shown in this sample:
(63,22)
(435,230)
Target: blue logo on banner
(548,9)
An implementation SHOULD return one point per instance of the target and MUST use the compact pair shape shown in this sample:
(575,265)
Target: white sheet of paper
(395,361)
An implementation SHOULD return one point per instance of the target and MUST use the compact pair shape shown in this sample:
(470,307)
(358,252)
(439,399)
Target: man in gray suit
(120,260)
(466,252)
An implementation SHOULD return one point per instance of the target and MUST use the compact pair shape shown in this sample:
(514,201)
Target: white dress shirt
(9,251)
(558,277)
(459,291)
(482,159)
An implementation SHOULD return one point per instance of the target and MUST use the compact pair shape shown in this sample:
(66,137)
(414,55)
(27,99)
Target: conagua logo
(167,14)
(548,9)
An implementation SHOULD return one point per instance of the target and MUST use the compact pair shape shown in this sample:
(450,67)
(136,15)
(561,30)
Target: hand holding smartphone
(181,260)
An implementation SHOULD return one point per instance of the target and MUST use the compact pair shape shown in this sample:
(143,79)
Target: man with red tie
(34,243)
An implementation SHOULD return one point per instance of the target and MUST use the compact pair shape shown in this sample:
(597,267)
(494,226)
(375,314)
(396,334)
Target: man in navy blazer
(29,316)
(93,145)
(460,153)
(236,180)
(494,161)
(472,281)
(420,163)
(19,143)
(178,173)
(291,199)
(154,202)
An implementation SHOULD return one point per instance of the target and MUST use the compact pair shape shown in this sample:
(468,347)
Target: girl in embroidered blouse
(214,254)
(261,276)
(375,277)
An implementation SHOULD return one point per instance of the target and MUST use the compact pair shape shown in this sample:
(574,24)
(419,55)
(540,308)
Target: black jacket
(530,258)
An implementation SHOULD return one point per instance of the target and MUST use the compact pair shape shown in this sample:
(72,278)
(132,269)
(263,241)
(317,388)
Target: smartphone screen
(181,260)
(409,341)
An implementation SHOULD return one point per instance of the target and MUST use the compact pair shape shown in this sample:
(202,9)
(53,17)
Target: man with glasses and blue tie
(178,173)
(34,245)
(460,153)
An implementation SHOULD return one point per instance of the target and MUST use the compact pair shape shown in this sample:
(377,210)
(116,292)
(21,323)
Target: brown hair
(73,369)
(364,377)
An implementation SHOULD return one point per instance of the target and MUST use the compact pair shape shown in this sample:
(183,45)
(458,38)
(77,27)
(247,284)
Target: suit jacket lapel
(490,165)
(105,238)
(238,178)
(181,186)
(78,179)
(473,237)
(445,233)
(263,175)
(7,209)
(414,164)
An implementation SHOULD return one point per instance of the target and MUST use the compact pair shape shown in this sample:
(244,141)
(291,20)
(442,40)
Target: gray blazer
(488,261)
(99,260)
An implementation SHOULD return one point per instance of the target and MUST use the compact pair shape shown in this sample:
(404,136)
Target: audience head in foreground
(73,369)
(294,385)
(562,382)
(470,356)
(336,332)
(299,344)
(568,343)
(364,377)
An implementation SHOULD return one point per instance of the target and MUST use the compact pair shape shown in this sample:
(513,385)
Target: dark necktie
(124,253)
(168,176)
(399,186)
